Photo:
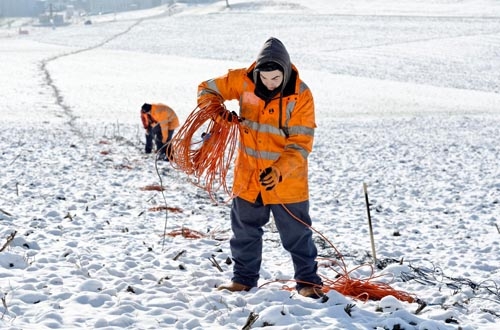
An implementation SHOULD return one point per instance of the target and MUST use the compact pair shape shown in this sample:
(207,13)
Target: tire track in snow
(67,110)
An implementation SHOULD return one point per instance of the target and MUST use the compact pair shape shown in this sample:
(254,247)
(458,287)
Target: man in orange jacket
(271,172)
(160,122)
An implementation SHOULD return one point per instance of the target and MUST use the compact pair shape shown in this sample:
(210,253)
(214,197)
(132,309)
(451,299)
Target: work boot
(312,292)
(233,287)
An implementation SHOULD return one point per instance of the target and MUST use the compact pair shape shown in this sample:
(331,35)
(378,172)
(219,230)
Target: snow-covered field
(407,101)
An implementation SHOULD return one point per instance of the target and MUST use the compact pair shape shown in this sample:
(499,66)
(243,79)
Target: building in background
(35,8)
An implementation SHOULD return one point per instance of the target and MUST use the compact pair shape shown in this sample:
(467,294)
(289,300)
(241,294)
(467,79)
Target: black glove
(229,116)
(270,177)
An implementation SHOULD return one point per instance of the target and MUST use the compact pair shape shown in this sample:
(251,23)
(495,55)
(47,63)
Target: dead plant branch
(9,240)
(7,213)
(215,263)
(250,320)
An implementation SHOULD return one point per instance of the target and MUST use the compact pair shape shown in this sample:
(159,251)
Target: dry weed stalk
(9,240)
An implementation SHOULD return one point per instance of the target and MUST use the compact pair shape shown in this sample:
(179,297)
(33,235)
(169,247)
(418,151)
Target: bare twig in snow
(250,320)
(7,213)
(215,263)
(4,303)
(179,254)
(421,305)
(15,158)
(9,240)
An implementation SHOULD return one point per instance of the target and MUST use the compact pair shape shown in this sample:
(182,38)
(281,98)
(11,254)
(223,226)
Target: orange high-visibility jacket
(279,133)
(164,116)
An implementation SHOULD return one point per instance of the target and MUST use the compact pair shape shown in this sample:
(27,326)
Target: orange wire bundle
(205,145)
(186,233)
(363,289)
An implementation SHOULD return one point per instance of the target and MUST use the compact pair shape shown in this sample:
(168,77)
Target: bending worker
(160,122)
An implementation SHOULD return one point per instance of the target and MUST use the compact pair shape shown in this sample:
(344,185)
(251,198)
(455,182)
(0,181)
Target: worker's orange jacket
(278,133)
(164,116)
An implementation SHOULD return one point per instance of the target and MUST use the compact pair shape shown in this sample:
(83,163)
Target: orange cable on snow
(187,233)
(195,234)
(362,289)
(204,146)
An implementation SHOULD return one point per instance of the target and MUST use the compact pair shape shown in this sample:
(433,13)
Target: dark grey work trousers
(247,220)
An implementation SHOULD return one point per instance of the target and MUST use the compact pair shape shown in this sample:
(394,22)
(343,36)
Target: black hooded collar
(265,94)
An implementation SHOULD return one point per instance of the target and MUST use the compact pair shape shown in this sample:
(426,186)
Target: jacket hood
(273,50)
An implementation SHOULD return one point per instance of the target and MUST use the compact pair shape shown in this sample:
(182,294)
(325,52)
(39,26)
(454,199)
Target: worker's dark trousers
(247,220)
(149,141)
(153,134)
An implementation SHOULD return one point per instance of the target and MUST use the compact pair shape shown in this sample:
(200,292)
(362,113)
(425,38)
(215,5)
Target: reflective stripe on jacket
(264,141)
(165,117)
